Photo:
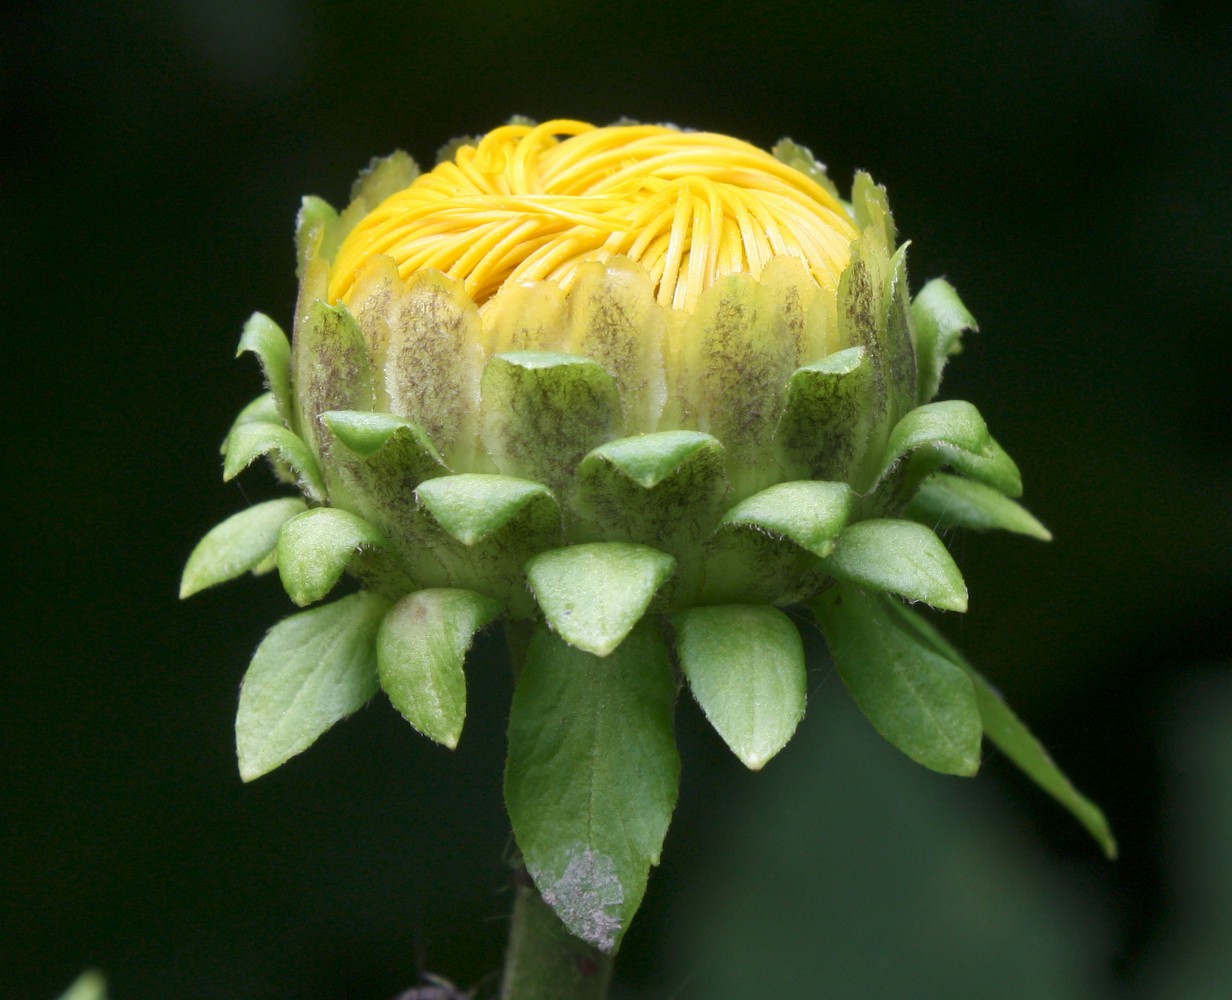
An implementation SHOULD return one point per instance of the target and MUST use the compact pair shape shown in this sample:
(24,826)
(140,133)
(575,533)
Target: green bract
(637,491)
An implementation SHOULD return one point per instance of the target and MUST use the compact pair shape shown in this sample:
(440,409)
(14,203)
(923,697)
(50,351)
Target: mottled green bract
(659,495)
(592,776)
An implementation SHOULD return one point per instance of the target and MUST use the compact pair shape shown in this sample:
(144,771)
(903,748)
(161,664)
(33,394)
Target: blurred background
(1066,165)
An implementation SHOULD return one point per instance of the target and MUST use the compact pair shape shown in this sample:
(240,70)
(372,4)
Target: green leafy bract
(592,595)
(940,321)
(265,338)
(315,548)
(916,698)
(311,670)
(745,666)
(592,776)
(241,543)
(248,441)
(945,501)
(1014,739)
(901,557)
(421,649)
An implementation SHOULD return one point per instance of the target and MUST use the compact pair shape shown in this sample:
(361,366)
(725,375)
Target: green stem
(544,961)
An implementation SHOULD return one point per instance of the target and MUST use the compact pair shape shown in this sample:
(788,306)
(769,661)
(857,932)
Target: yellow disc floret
(533,202)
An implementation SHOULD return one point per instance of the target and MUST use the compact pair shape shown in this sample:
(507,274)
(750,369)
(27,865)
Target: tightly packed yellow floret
(534,202)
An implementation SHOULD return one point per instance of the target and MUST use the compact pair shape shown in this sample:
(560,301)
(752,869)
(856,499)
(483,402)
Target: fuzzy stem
(544,961)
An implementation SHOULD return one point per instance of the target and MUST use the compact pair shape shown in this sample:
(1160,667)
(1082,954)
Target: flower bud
(638,389)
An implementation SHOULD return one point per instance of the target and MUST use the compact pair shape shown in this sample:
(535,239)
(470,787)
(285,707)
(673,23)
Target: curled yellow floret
(534,202)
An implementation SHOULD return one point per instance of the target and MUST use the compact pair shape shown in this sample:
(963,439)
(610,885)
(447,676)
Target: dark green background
(1066,165)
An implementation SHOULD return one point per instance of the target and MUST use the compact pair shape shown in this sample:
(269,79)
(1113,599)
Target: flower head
(523,205)
(633,390)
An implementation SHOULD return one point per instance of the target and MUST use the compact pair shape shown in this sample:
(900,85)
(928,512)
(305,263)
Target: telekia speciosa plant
(652,400)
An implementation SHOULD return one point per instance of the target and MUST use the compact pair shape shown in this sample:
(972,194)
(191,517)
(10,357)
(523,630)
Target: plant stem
(544,961)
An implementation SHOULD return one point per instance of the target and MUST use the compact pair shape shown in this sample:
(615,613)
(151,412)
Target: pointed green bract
(901,557)
(311,670)
(249,441)
(940,321)
(915,697)
(378,459)
(316,229)
(592,776)
(543,411)
(592,595)
(810,514)
(476,532)
(421,648)
(262,410)
(950,433)
(871,206)
(824,428)
(945,501)
(768,548)
(662,489)
(472,508)
(745,666)
(264,338)
(241,543)
(368,433)
(1013,738)
(315,547)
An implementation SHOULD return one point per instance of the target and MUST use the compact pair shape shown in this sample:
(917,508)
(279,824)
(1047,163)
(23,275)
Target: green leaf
(824,430)
(542,412)
(945,501)
(472,508)
(810,514)
(241,543)
(593,594)
(420,651)
(663,489)
(950,433)
(1015,740)
(247,442)
(901,557)
(311,670)
(940,321)
(592,776)
(745,665)
(315,547)
(914,696)
(264,338)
